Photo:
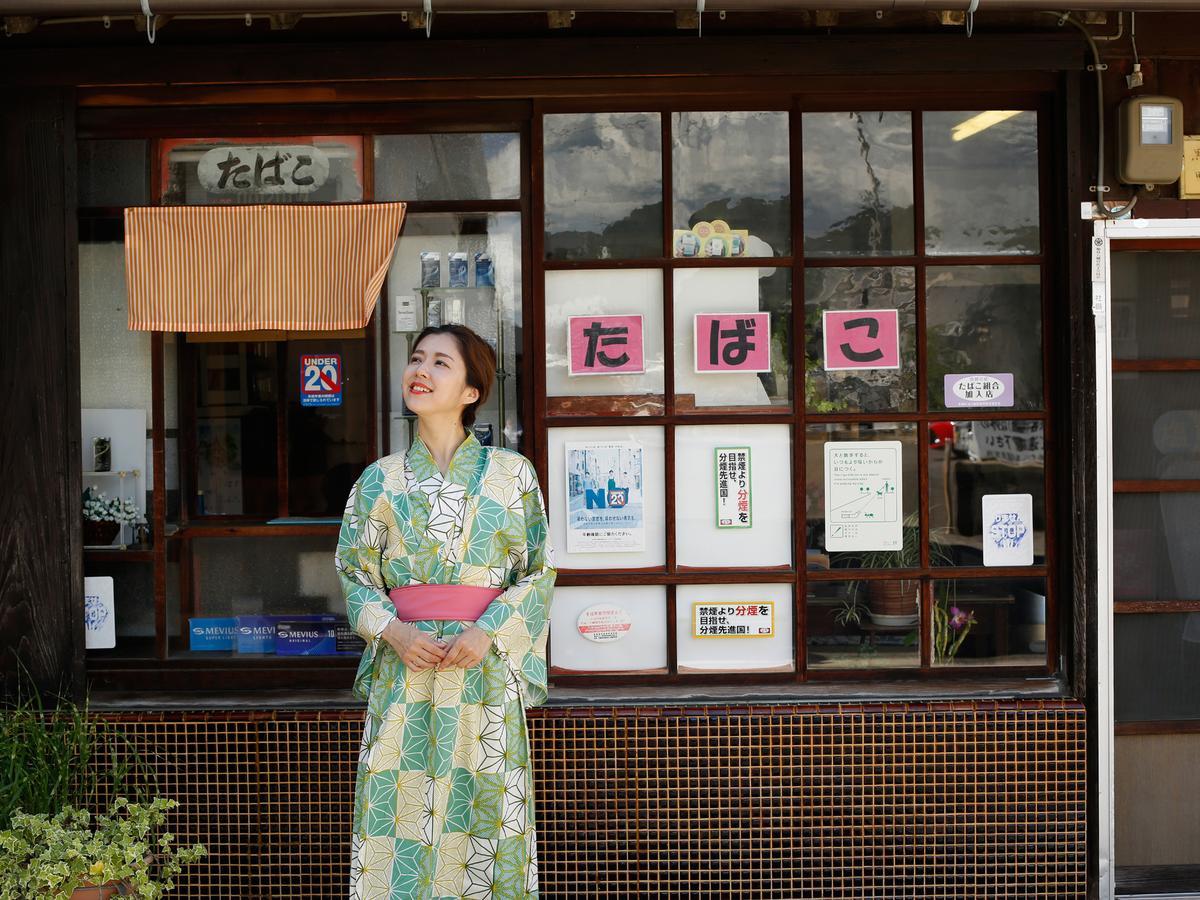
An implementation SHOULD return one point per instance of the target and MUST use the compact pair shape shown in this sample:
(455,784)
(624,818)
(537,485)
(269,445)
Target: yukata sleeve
(518,620)
(359,561)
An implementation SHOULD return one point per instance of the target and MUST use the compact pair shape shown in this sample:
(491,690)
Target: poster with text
(734,620)
(733,487)
(733,342)
(1008,529)
(861,339)
(863,495)
(605,345)
(605,505)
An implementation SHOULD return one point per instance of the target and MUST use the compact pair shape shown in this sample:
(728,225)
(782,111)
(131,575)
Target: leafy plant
(53,757)
(99,507)
(951,626)
(43,855)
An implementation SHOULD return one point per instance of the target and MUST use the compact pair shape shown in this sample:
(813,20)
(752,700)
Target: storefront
(797,327)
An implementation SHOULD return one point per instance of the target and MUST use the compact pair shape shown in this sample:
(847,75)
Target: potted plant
(73,854)
(103,516)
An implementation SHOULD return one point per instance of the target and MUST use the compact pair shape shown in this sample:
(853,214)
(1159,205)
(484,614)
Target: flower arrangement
(44,855)
(98,507)
(951,626)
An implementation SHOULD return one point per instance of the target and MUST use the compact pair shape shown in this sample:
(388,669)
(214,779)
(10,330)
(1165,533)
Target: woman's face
(435,379)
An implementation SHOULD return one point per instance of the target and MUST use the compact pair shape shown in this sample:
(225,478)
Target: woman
(447,571)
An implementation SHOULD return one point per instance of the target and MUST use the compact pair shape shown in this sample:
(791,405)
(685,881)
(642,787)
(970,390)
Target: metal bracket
(428,4)
(971,17)
(151,25)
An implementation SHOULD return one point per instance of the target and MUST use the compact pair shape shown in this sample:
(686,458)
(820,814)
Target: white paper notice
(863,495)
(1008,529)
(99,619)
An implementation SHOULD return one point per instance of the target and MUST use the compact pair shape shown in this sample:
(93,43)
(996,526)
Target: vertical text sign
(733,342)
(733,487)
(861,339)
(605,345)
(320,379)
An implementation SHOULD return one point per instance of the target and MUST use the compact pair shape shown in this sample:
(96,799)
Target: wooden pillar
(41,572)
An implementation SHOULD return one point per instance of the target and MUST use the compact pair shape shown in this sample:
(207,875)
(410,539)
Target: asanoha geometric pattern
(444,802)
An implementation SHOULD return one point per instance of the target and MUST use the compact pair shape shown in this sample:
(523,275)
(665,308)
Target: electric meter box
(1150,140)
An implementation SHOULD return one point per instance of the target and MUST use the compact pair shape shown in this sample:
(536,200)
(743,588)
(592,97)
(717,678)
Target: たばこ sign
(861,339)
(605,345)
(320,380)
(733,342)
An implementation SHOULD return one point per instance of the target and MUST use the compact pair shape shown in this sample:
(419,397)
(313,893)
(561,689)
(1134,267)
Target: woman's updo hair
(479,359)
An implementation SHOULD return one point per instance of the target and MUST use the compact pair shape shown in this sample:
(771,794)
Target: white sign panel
(733,620)
(1008,529)
(863,495)
(263,170)
(99,617)
(604,622)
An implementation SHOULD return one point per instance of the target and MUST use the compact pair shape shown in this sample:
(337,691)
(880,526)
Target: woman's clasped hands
(419,651)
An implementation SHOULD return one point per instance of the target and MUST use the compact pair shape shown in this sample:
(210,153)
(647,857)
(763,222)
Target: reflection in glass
(1156,304)
(603,185)
(1159,437)
(311,169)
(605,292)
(989,622)
(112,173)
(860,390)
(1157,667)
(849,626)
(731,291)
(985,320)
(327,445)
(276,575)
(448,167)
(817,437)
(237,469)
(981,182)
(734,167)
(970,459)
(481,291)
(858,184)
(1156,546)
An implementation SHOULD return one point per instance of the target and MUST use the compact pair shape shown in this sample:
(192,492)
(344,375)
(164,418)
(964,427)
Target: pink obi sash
(455,602)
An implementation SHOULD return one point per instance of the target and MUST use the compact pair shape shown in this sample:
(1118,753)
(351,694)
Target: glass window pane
(1156,546)
(1156,658)
(237,469)
(132,612)
(984,320)
(716,632)
(113,173)
(1156,304)
(607,497)
(310,169)
(968,460)
(862,389)
(733,167)
(994,622)
(711,460)
(981,182)
(1159,435)
(464,268)
(586,619)
(858,184)
(855,625)
(255,576)
(743,318)
(327,445)
(599,317)
(465,166)
(909,557)
(603,185)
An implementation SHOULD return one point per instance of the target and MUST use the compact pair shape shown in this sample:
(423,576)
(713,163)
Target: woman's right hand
(416,649)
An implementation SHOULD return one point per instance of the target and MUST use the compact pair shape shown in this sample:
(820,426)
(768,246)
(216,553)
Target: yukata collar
(463,464)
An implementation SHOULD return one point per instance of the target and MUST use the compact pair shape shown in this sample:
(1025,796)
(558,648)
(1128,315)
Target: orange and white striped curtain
(248,268)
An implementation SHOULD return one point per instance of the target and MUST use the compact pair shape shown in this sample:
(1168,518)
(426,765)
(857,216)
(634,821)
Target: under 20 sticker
(320,379)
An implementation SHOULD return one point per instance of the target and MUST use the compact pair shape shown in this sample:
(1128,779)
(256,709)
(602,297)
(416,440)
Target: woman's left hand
(466,649)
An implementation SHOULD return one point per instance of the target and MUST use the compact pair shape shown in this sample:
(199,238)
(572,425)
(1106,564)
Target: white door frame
(1105,232)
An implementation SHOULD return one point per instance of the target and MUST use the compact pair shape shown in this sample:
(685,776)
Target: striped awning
(243,268)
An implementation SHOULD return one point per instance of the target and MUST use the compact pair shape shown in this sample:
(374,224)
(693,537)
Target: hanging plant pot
(103,532)
(103,891)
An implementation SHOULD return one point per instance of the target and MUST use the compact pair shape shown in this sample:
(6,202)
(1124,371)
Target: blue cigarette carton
(211,634)
(256,634)
(295,637)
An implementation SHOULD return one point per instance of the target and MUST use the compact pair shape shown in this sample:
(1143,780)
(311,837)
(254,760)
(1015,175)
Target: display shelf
(135,553)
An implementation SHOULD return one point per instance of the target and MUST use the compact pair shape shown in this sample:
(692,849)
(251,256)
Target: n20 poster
(605,506)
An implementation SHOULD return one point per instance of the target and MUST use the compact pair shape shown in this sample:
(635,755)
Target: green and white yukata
(444,801)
